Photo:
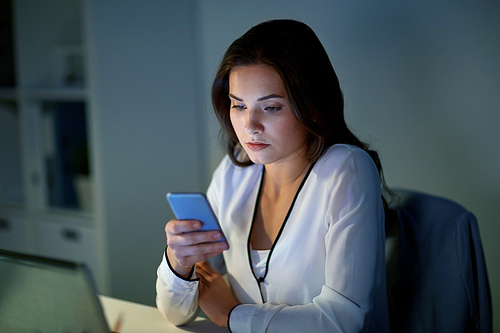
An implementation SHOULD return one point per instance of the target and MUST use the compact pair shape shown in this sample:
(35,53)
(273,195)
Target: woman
(298,197)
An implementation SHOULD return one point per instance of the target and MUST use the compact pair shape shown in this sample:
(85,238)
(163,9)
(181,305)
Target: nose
(253,122)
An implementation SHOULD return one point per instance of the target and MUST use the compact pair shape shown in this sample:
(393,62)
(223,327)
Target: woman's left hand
(215,298)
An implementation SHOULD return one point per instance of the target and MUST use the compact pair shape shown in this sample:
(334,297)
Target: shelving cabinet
(100,116)
(46,188)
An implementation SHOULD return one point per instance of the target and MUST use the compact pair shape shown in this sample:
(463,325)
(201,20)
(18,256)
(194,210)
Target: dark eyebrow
(234,97)
(260,99)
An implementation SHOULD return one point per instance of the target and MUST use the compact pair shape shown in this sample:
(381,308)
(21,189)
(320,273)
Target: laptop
(39,294)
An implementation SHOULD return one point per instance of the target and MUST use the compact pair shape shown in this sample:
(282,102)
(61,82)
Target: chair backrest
(436,273)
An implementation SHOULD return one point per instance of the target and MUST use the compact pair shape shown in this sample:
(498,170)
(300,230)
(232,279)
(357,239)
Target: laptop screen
(44,295)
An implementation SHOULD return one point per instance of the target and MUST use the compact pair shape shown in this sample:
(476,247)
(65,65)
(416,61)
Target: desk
(138,318)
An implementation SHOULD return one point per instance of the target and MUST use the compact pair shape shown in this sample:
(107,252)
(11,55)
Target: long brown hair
(294,51)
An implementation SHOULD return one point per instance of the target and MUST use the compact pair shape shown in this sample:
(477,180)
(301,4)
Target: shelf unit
(144,127)
(46,187)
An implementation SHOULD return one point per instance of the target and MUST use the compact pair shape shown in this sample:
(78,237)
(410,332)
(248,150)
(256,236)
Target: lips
(256,146)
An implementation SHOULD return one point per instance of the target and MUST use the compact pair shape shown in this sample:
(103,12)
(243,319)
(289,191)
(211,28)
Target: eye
(238,107)
(272,109)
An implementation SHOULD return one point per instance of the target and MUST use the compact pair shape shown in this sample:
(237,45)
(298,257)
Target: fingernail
(217,236)
(223,246)
(196,225)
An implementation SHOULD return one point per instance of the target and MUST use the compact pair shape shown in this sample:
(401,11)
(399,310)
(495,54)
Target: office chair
(436,272)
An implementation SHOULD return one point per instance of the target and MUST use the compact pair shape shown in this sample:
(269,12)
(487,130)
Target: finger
(176,227)
(204,250)
(201,272)
(206,267)
(189,261)
(206,273)
(194,238)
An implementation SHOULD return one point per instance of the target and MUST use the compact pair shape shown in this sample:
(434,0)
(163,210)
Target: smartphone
(194,206)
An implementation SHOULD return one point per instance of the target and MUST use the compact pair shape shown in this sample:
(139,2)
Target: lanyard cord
(261,280)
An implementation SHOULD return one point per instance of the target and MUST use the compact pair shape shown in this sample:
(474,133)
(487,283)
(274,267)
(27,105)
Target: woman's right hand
(186,246)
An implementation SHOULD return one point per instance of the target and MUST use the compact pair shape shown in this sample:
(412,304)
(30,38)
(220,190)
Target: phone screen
(194,206)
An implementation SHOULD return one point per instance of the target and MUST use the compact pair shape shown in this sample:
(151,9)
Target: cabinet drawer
(67,242)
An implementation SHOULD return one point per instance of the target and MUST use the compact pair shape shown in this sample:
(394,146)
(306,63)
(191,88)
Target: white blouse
(325,271)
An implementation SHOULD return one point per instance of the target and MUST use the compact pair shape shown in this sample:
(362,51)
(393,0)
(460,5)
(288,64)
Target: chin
(256,159)
(261,157)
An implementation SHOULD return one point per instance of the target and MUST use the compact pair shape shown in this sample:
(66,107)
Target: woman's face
(262,117)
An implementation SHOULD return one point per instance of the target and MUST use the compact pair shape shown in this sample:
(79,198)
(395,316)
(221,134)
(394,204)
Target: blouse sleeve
(176,298)
(354,267)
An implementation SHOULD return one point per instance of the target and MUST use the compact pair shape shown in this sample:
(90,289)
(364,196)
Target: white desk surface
(139,318)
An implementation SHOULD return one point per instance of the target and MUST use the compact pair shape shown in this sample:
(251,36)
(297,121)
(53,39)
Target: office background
(420,80)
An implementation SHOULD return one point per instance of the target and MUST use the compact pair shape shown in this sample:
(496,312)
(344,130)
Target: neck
(282,178)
